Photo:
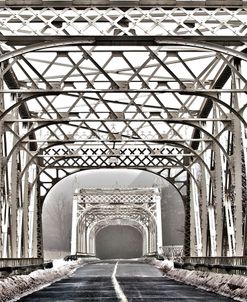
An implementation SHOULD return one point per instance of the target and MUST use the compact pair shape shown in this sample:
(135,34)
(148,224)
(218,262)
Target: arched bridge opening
(57,209)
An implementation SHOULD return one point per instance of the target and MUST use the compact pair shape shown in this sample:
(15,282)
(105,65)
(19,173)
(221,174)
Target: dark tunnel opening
(118,242)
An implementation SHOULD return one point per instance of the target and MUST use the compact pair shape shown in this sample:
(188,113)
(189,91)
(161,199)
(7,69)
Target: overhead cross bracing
(155,88)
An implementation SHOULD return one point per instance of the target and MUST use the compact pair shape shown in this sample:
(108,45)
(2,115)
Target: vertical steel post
(237,172)
(19,232)
(157,200)
(196,213)
(14,194)
(3,200)
(187,223)
(217,181)
(228,209)
(210,206)
(74,226)
(85,228)
(244,140)
(203,207)
(145,248)
(25,190)
(217,188)
(32,215)
(39,206)
(237,165)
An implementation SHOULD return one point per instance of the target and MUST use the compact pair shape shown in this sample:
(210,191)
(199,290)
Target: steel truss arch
(184,168)
(35,156)
(217,100)
(172,179)
(104,223)
(177,95)
(46,124)
(139,209)
(183,92)
(90,42)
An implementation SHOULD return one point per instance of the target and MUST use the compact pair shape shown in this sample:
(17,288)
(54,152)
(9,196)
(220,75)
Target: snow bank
(16,286)
(234,286)
(165,265)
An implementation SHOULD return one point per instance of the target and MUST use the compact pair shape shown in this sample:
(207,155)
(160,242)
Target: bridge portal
(95,209)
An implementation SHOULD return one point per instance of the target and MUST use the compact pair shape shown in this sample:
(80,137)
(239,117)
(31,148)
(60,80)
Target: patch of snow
(59,262)
(234,286)
(14,287)
(165,265)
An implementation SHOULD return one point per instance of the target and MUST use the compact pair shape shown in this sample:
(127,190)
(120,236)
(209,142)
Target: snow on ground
(234,286)
(165,265)
(14,287)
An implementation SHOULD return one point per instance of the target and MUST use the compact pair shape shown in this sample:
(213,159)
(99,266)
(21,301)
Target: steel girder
(210,4)
(156,88)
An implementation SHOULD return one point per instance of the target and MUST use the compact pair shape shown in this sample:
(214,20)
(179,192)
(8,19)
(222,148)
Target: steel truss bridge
(152,85)
(94,209)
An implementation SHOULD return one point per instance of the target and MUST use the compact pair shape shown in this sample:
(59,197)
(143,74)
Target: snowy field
(234,286)
(14,287)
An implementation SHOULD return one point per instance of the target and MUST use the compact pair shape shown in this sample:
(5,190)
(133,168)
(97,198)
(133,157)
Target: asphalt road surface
(123,280)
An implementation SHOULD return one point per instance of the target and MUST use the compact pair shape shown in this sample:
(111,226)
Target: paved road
(124,281)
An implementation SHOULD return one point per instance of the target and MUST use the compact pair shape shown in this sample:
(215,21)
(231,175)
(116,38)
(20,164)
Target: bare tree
(57,223)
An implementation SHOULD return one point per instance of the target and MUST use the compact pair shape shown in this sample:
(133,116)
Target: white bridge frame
(153,85)
(94,209)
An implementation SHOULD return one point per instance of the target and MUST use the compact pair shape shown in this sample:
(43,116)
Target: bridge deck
(138,281)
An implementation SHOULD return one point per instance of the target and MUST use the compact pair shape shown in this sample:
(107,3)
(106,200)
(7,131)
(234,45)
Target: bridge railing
(217,260)
(172,251)
(233,265)
(14,262)
(21,265)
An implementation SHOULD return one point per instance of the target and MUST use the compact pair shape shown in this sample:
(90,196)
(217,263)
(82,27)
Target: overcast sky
(57,210)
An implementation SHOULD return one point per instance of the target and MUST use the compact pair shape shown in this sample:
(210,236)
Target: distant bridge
(95,209)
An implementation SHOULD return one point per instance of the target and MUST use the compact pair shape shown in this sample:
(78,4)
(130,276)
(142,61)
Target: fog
(128,244)
(57,209)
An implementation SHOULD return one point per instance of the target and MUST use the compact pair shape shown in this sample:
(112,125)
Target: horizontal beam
(42,92)
(124,3)
(142,156)
(114,166)
(127,120)
(136,140)
(23,40)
